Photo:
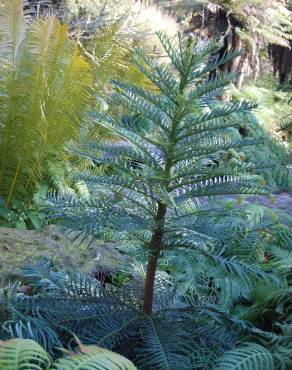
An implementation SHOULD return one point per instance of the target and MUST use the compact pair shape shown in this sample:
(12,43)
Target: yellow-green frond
(13,21)
(23,354)
(94,358)
(43,101)
(110,53)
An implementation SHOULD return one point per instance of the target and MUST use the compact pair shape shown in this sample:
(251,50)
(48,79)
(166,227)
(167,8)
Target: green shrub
(20,216)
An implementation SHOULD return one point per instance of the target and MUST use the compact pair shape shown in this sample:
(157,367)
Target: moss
(18,247)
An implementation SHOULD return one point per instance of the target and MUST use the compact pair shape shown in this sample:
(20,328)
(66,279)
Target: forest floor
(282,201)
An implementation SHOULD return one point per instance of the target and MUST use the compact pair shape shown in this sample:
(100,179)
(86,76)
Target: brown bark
(154,252)
(242,69)
(282,61)
(236,44)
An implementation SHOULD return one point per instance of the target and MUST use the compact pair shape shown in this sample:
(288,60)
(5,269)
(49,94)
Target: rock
(19,247)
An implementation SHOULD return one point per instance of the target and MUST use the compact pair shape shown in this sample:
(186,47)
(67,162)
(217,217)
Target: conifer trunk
(154,252)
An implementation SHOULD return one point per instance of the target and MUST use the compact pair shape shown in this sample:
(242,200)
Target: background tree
(250,26)
(282,57)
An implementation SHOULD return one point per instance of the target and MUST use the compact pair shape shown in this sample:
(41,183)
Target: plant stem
(155,245)
(155,248)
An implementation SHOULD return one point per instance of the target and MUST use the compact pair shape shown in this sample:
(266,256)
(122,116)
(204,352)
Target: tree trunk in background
(282,61)
(243,69)
(220,24)
(236,44)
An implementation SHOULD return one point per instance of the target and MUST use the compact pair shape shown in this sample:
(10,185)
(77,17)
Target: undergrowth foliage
(202,310)
(180,335)
(27,354)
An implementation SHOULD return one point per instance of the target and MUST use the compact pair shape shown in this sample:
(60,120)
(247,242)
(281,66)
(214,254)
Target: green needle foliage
(173,138)
(191,326)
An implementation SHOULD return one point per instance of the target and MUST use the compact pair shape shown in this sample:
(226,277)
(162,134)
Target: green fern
(94,358)
(16,354)
(109,51)
(246,357)
(269,19)
(23,354)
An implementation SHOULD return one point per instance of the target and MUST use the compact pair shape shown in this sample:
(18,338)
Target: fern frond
(161,350)
(110,52)
(23,354)
(246,357)
(95,358)
(27,354)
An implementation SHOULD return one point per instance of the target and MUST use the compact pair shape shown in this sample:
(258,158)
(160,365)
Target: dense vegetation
(159,147)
